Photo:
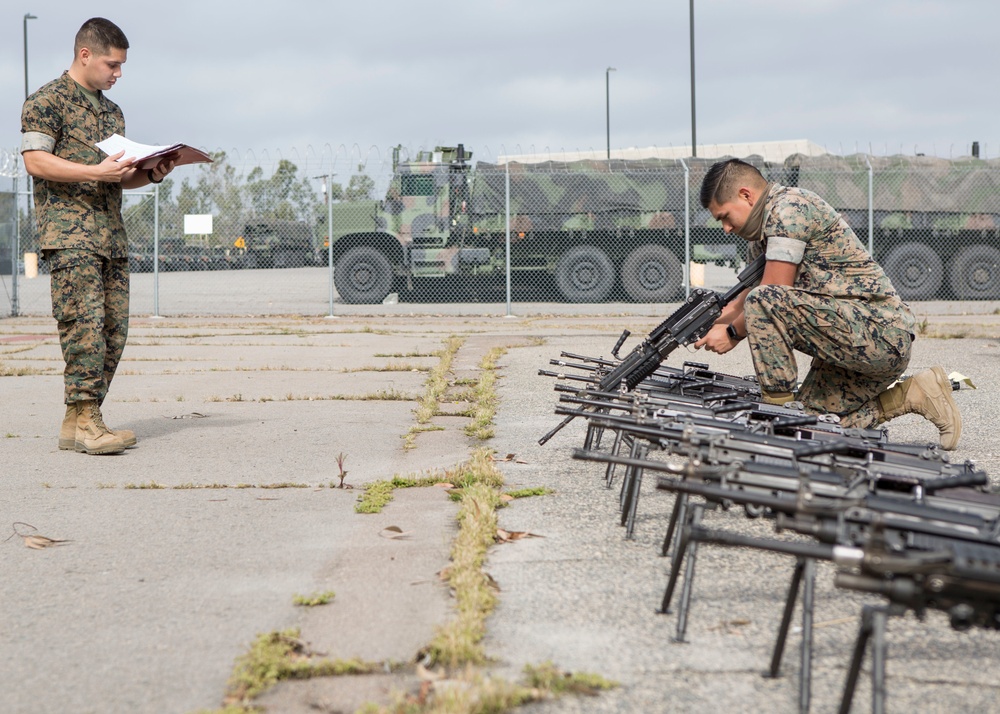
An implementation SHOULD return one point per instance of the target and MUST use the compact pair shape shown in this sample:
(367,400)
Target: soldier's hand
(158,172)
(111,170)
(716,340)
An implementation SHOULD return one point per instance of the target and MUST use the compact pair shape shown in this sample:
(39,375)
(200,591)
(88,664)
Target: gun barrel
(555,430)
(816,551)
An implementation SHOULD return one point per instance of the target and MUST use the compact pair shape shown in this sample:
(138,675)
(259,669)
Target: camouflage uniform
(82,235)
(841,310)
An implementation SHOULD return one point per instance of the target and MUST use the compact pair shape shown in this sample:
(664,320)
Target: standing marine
(78,203)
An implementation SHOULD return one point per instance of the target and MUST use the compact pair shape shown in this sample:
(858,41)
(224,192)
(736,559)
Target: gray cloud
(298,76)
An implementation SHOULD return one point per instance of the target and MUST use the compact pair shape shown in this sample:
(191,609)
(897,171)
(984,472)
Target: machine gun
(689,323)
(955,575)
(928,550)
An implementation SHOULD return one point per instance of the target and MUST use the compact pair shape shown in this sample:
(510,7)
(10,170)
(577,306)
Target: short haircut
(100,36)
(723,180)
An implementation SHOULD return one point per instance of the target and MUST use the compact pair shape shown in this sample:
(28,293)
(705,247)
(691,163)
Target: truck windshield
(417,185)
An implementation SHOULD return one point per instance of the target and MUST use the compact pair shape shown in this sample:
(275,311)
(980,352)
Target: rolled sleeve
(787,250)
(37,141)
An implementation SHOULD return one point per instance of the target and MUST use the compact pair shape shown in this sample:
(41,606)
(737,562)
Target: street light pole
(27,16)
(694,140)
(607,104)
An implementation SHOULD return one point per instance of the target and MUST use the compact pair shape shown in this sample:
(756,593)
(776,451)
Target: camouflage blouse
(800,227)
(59,118)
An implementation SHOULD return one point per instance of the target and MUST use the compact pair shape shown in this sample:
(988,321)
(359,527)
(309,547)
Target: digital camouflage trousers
(853,358)
(90,304)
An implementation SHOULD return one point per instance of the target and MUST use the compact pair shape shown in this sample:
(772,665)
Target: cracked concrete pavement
(160,589)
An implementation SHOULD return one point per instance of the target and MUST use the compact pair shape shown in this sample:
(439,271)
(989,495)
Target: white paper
(115,143)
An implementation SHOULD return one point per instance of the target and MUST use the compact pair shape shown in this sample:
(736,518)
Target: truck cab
(417,231)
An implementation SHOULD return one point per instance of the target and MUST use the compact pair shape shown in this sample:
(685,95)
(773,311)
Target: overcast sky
(299,79)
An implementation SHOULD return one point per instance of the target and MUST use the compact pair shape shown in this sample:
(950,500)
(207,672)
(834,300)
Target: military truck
(935,223)
(274,244)
(596,228)
(616,229)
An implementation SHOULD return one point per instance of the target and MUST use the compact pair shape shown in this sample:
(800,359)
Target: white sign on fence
(197,224)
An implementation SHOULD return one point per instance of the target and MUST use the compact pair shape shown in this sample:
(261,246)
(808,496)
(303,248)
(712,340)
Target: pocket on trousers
(65,307)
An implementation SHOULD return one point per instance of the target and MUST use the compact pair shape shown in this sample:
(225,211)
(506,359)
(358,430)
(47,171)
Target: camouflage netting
(901,183)
(588,194)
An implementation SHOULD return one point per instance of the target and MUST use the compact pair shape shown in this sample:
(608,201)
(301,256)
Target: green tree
(361,187)
(282,196)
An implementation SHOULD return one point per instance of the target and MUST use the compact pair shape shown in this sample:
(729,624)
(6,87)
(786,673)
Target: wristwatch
(733,334)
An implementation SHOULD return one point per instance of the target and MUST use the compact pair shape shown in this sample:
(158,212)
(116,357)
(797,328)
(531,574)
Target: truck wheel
(915,270)
(362,275)
(975,273)
(651,273)
(585,273)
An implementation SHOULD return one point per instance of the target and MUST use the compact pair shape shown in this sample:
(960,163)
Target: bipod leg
(786,619)
(633,504)
(808,602)
(682,610)
(609,472)
(676,515)
(680,548)
(627,478)
(592,440)
(879,656)
(805,570)
(872,623)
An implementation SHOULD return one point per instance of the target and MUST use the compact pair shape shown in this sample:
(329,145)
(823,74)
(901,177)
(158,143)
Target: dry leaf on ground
(394,533)
(39,541)
(503,536)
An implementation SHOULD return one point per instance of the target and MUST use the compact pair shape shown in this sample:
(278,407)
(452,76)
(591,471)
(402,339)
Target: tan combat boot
(92,437)
(777,398)
(67,434)
(929,395)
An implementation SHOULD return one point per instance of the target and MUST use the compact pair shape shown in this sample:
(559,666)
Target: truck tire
(585,273)
(975,273)
(652,273)
(916,271)
(363,276)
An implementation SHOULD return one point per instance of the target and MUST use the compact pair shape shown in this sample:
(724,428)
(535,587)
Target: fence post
(156,250)
(15,247)
(507,222)
(687,229)
(871,208)
(329,235)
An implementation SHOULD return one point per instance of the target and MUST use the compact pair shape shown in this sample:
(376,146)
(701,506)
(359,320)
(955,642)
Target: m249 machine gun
(688,324)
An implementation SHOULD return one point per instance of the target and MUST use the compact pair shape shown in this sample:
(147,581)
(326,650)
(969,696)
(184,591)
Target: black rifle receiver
(688,324)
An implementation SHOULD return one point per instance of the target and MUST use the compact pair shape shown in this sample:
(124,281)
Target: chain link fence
(392,231)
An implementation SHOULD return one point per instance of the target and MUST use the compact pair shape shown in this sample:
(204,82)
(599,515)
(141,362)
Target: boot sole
(74,445)
(104,452)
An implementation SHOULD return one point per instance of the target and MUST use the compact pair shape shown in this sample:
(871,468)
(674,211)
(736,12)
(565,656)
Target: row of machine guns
(897,520)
